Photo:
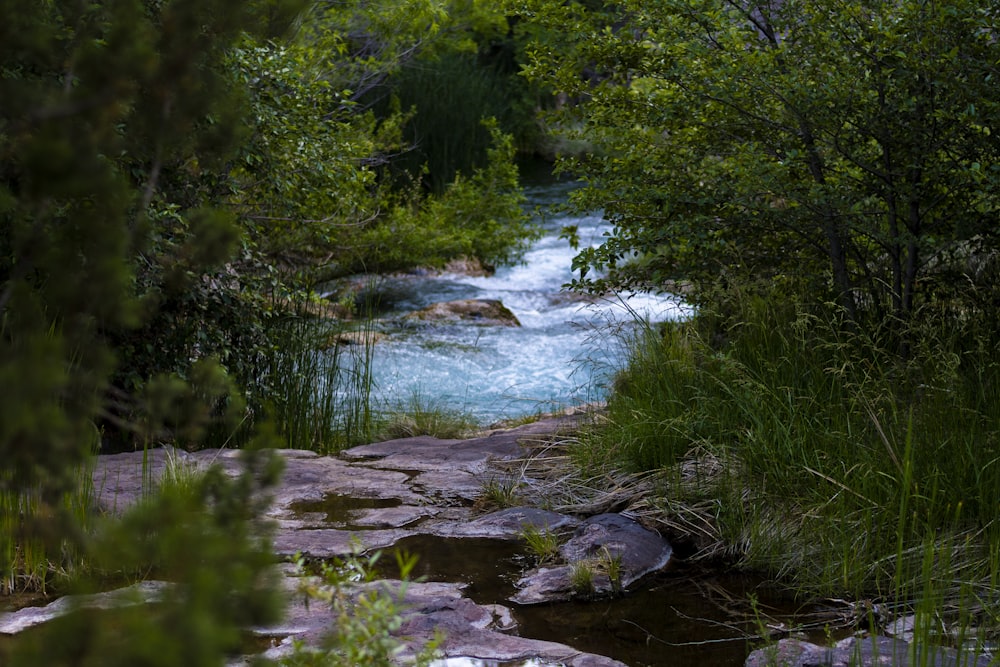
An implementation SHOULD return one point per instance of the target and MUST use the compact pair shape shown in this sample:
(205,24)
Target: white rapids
(563,354)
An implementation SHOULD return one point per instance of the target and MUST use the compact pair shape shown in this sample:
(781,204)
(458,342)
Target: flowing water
(563,354)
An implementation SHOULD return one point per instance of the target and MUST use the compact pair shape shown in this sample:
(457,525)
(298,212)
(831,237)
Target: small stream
(563,353)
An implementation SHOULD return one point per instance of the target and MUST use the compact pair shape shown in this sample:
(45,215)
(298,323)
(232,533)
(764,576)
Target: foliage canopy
(849,148)
(172,174)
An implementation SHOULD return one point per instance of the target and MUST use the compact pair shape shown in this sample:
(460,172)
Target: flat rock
(403,487)
(143,592)
(510,523)
(860,652)
(470,630)
(334,542)
(424,452)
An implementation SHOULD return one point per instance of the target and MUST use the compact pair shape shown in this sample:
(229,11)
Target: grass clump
(422,416)
(611,565)
(318,393)
(542,543)
(845,459)
(499,493)
(30,561)
(581,578)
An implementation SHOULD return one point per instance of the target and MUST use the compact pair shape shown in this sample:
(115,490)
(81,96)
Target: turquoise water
(564,353)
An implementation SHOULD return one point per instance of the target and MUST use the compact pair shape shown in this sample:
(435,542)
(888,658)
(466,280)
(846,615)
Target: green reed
(30,561)
(320,383)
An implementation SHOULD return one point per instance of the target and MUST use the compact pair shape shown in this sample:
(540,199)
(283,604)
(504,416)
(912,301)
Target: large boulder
(489,312)
(617,552)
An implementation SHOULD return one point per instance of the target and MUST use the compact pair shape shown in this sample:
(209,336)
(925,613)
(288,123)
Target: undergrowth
(859,461)
(29,559)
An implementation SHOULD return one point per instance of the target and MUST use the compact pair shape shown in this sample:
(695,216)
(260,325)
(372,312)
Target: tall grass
(849,469)
(315,386)
(319,382)
(30,562)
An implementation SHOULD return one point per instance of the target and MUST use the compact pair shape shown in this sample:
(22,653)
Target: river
(563,354)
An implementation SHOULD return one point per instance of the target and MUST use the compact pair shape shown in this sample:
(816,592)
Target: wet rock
(143,592)
(333,542)
(859,652)
(391,517)
(545,584)
(362,338)
(490,312)
(509,523)
(470,630)
(469,266)
(403,487)
(617,550)
(477,631)
(640,550)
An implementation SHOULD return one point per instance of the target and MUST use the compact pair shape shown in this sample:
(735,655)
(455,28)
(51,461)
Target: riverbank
(466,509)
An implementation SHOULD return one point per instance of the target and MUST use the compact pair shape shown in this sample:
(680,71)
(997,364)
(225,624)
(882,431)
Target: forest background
(817,177)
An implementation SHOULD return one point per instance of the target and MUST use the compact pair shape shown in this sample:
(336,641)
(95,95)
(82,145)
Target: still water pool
(683,617)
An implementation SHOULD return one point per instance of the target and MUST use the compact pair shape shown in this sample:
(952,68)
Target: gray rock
(640,550)
(545,584)
(478,311)
(334,542)
(427,484)
(599,540)
(470,630)
(859,652)
(509,523)
(902,627)
(143,592)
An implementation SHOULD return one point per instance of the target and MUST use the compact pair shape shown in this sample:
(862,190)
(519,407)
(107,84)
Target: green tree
(467,72)
(848,147)
(311,181)
(107,109)
(297,195)
(116,124)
